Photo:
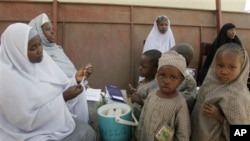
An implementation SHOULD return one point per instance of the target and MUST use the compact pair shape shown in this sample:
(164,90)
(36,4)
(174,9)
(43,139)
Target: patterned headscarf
(232,99)
(174,59)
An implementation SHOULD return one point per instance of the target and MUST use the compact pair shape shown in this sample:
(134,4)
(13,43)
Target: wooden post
(55,17)
(218,14)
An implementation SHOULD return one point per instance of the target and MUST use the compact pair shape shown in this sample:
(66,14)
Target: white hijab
(159,41)
(55,51)
(78,106)
(32,107)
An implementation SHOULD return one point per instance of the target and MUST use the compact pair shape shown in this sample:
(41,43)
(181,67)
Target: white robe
(32,107)
(159,41)
(78,106)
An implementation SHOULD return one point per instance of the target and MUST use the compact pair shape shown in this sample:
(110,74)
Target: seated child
(223,98)
(188,86)
(147,69)
(165,113)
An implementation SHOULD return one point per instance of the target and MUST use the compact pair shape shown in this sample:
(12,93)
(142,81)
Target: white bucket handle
(122,121)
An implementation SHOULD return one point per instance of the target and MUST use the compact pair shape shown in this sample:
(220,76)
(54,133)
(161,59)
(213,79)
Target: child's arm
(212,111)
(134,96)
(137,99)
(182,124)
(131,88)
(138,130)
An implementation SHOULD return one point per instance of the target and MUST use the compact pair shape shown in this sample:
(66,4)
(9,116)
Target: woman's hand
(211,110)
(72,92)
(84,73)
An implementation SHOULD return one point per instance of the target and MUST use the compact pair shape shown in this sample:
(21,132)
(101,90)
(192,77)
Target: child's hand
(212,111)
(131,88)
(135,98)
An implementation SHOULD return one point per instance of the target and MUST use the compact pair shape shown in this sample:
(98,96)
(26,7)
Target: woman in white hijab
(55,51)
(43,26)
(34,91)
(160,37)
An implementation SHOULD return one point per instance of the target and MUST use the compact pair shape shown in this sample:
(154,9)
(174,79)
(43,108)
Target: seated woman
(34,90)
(227,34)
(46,32)
(43,26)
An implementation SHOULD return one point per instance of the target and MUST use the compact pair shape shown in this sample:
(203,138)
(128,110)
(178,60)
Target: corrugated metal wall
(111,36)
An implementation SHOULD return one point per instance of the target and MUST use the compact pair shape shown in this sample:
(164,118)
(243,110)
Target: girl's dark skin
(228,68)
(146,70)
(169,78)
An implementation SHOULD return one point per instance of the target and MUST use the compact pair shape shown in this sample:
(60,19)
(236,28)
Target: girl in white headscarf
(34,91)
(160,37)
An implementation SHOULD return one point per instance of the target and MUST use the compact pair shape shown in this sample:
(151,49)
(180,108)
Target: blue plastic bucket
(115,122)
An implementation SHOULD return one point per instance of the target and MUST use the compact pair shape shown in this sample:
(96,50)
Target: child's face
(35,50)
(49,32)
(163,26)
(146,68)
(169,78)
(228,66)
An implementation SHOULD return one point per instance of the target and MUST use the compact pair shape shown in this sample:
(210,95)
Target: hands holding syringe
(84,72)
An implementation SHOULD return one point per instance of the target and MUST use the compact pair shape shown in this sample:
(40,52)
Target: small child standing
(165,114)
(147,69)
(223,98)
(188,86)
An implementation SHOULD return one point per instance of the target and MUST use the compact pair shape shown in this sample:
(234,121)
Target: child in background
(165,114)
(223,98)
(188,87)
(161,36)
(147,69)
